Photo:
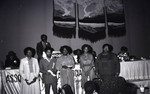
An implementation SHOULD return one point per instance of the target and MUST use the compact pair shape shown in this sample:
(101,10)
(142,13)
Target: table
(135,70)
(10,81)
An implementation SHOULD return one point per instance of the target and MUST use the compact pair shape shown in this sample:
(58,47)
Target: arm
(87,65)
(98,65)
(42,69)
(53,70)
(21,70)
(58,64)
(54,66)
(37,69)
(91,63)
(117,65)
(36,72)
(81,64)
(73,61)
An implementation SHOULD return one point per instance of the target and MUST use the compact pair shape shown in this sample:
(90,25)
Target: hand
(65,67)
(58,74)
(27,81)
(117,74)
(34,79)
(51,73)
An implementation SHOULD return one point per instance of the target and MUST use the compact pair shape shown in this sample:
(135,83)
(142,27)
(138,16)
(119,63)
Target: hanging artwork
(91,20)
(64,18)
(115,18)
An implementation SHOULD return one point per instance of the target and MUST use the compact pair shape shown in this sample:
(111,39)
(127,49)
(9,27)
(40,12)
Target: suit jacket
(40,49)
(45,65)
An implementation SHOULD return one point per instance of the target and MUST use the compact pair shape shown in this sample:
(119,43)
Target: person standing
(48,70)
(107,63)
(40,47)
(65,64)
(87,64)
(108,69)
(29,71)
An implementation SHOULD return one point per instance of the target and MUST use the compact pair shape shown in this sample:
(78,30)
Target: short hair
(123,48)
(68,48)
(75,52)
(11,53)
(90,49)
(48,48)
(31,49)
(43,35)
(89,87)
(110,47)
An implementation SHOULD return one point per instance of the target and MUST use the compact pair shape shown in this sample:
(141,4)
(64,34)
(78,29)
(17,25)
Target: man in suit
(48,70)
(41,46)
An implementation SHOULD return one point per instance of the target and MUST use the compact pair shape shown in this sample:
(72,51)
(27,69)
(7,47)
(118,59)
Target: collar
(47,58)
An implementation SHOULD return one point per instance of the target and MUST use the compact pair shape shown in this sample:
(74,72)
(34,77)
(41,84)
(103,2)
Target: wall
(23,21)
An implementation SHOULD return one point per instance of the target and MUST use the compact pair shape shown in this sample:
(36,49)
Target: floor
(145,83)
(147,91)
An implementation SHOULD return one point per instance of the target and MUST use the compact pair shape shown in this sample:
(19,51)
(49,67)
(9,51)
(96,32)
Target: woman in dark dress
(107,63)
(108,69)
(12,60)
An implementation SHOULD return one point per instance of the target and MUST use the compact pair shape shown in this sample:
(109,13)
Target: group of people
(106,67)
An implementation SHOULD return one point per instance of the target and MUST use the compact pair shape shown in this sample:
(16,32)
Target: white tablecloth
(134,70)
